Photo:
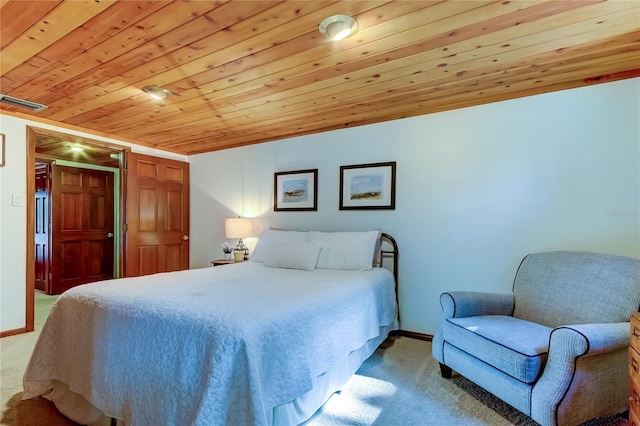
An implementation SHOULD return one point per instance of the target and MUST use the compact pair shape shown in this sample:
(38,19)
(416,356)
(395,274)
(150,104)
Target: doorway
(76,224)
(49,148)
(159,190)
(42,226)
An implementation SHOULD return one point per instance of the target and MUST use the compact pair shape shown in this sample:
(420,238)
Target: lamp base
(241,247)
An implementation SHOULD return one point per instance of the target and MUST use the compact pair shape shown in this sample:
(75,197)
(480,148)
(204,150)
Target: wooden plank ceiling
(246,72)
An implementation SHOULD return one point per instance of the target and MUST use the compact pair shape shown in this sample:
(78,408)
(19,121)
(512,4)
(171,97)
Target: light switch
(17,200)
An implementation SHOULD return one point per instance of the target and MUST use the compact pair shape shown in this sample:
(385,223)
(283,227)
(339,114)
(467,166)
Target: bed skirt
(77,408)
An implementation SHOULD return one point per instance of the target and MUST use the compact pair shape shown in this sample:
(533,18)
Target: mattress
(225,345)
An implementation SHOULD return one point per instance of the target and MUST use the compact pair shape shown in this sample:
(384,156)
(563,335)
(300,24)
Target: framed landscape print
(368,186)
(296,191)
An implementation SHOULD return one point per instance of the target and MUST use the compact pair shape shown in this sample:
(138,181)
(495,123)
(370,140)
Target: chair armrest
(458,304)
(589,339)
(571,360)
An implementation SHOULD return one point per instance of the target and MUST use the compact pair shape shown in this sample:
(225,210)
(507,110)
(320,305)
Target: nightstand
(218,262)
(634,370)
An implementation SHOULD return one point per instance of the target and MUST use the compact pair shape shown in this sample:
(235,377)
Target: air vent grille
(9,100)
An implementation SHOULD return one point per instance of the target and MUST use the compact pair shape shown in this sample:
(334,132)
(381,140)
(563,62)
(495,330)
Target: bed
(263,342)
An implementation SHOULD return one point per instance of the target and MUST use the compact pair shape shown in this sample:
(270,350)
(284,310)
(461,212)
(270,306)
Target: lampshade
(238,227)
(337,27)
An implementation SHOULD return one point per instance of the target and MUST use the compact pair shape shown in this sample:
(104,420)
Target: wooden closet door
(81,227)
(157,215)
(41,226)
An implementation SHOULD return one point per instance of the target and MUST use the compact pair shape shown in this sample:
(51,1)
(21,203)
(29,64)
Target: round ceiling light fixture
(338,27)
(156,92)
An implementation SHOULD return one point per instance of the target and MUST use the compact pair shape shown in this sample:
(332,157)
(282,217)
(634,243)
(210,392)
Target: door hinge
(125,227)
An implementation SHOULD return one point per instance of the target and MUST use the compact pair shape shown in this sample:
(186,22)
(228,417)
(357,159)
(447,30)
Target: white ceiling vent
(21,103)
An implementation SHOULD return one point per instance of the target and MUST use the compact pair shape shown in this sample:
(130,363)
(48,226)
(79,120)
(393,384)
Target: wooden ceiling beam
(354,114)
(403,83)
(240,71)
(22,16)
(50,113)
(41,68)
(213,51)
(59,22)
(319,79)
(251,71)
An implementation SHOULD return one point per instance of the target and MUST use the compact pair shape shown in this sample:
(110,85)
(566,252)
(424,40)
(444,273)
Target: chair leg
(445,371)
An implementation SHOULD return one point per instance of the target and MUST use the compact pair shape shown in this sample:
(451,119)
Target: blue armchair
(556,348)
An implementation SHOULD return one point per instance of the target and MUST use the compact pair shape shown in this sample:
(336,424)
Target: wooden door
(81,227)
(41,226)
(157,215)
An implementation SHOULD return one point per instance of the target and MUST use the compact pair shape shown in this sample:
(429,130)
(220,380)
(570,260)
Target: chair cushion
(516,347)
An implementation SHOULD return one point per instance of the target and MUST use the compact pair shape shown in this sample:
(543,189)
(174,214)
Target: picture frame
(2,148)
(295,190)
(368,186)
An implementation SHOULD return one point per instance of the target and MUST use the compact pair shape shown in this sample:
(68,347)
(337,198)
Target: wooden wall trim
(32,133)
(31,256)
(413,335)
(64,126)
(13,332)
(613,77)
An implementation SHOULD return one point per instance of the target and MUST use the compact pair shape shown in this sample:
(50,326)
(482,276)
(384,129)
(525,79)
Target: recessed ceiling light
(77,148)
(338,27)
(156,92)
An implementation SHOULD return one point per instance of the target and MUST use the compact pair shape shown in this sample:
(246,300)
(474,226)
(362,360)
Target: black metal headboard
(393,254)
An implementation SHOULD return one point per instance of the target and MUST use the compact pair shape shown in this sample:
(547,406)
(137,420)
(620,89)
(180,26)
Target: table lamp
(239,227)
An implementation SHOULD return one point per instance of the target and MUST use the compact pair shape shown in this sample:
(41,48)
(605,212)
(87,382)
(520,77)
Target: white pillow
(269,237)
(352,251)
(301,255)
(377,251)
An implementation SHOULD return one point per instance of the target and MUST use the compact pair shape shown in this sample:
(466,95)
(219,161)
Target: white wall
(13,222)
(477,188)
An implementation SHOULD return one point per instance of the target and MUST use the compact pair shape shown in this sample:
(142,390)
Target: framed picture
(3,149)
(368,186)
(296,191)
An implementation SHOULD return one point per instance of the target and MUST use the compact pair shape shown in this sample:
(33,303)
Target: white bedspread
(209,346)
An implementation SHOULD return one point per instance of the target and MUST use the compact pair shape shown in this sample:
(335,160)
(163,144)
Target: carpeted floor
(14,356)
(399,385)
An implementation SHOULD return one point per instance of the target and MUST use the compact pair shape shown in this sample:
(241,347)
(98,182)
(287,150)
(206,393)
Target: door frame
(32,134)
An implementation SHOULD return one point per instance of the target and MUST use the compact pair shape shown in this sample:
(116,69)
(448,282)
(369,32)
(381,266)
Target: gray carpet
(399,385)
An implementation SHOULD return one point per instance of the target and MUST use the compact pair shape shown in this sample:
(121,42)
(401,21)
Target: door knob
(185,237)
(109,234)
